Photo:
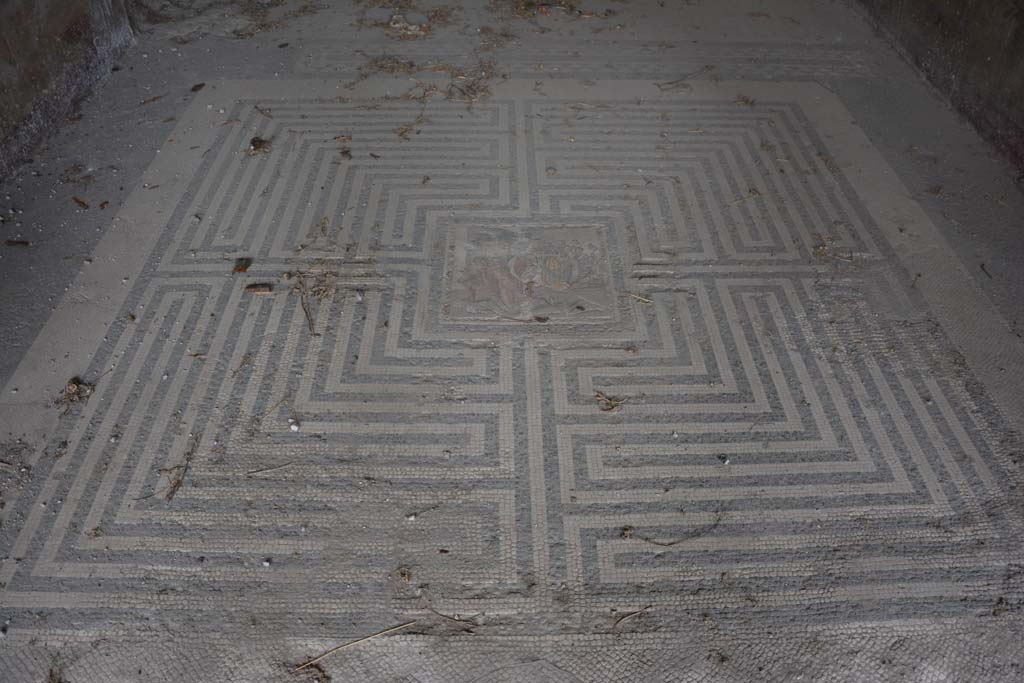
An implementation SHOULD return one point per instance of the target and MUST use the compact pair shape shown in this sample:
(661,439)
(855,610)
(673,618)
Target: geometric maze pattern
(413,418)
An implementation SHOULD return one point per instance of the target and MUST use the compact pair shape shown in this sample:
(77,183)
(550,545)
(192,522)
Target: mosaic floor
(626,380)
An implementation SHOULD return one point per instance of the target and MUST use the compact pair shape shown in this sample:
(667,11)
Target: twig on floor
(754,192)
(274,407)
(246,359)
(330,652)
(300,285)
(676,85)
(450,617)
(630,615)
(252,473)
(177,473)
(629,532)
(608,403)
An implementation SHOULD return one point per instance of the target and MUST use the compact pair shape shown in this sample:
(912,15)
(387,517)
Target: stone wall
(52,53)
(972,51)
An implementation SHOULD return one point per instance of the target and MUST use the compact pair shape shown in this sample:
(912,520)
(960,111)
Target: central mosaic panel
(544,275)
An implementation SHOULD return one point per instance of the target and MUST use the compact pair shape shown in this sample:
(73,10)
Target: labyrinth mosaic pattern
(560,357)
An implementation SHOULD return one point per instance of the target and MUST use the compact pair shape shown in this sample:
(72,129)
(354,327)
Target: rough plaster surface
(52,54)
(625,358)
(973,52)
